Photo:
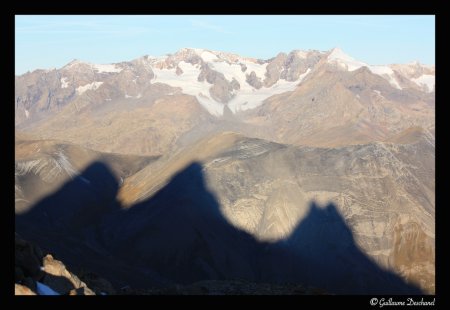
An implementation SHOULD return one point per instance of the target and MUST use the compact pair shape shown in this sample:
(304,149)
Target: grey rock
(253,80)
(274,69)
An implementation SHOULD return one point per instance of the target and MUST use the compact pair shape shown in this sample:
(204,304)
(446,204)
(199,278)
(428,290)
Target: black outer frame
(324,7)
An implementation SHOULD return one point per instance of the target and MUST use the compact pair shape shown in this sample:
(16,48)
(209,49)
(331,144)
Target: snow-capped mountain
(216,79)
(399,76)
(151,103)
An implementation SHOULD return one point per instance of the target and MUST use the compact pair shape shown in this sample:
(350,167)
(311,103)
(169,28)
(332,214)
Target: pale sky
(51,41)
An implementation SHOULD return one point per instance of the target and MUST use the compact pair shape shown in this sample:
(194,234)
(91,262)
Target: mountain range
(321,98)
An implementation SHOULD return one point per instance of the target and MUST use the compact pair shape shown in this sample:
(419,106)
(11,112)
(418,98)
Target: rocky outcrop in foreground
(39,274)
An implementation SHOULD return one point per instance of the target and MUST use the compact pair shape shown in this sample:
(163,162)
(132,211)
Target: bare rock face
(298,62)
(274,69)
(221,89)
(333,108)
(39,92)
(61,280)
(254,81)
(235,84)
(414,253)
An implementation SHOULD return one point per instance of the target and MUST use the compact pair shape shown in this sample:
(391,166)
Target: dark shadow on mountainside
(179,235)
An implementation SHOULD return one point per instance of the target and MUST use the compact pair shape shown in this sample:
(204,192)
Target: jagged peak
(75,62)
(192,49)
(414,63)
(338,54)
(305,53)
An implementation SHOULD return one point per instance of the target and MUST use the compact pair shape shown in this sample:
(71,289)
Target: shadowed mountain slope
(234,207)
(179,235)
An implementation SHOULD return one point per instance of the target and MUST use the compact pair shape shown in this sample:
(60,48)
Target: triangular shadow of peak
(184,221)
(324,243)
(322,223)
(81,200)
(185,192)
(179,235)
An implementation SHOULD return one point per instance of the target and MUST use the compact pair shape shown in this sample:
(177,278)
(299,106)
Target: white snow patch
(246,97)
(302,54)
(230,71)
(350,64)
(344,60)
(234,70)
(43,289)
(303,75)
(378,93)
(106,68)
(197,51)
(190,85)
(260,70)
(208,56)
(246,100)
(380,70)
(426,80)
(64,82)
(133,97)
(394,82)
(90,86)
(250,98)
(385,72)
(74,63)
(27,114)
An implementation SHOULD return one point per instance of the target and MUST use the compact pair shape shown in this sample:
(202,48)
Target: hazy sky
(44,41)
